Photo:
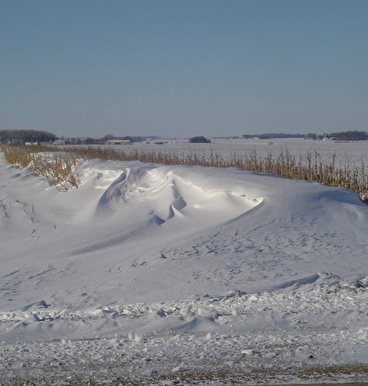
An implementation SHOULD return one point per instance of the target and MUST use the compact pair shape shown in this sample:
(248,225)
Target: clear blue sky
(178,68)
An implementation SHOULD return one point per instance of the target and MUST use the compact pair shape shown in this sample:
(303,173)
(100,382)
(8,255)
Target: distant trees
(199,139)
(273,135)
(350,136)
(133,138)
(107,137)
(341,136)
(89,141)
(20,137)
(280,135)
(130,138)
(312,136)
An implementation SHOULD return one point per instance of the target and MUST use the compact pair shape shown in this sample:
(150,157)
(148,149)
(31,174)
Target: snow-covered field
(350,152)
(181,275)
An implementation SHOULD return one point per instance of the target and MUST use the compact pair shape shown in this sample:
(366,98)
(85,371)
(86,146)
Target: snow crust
(165,264)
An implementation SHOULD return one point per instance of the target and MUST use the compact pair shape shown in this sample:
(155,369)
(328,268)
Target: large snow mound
(134,235)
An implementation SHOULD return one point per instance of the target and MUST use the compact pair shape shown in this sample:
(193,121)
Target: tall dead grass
(59,168)
(310,167)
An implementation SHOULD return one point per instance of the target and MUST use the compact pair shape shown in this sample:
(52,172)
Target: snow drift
(160,243)
(187,261)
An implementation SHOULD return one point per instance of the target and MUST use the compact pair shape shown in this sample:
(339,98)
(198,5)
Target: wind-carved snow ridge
(172,196)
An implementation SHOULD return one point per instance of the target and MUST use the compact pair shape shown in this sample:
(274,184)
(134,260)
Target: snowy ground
(346,153)
(181,275)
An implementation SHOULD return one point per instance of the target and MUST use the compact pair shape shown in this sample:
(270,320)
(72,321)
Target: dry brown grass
(311,167)
(59,169)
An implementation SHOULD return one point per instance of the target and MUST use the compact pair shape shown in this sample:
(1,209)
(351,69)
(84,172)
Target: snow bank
(146,249)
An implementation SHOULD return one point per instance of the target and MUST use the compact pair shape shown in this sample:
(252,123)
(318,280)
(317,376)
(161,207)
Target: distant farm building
(118,142)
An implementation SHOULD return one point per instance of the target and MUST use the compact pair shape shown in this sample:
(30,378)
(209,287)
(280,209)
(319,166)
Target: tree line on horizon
(351,135)
(21,137)
(273,135)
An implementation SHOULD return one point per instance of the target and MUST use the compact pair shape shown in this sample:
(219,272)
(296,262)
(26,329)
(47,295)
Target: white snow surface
(211,270)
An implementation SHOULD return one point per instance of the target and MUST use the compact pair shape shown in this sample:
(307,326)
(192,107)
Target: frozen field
(183,275)
(352,151)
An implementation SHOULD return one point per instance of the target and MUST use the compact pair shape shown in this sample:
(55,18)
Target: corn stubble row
(60,164)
